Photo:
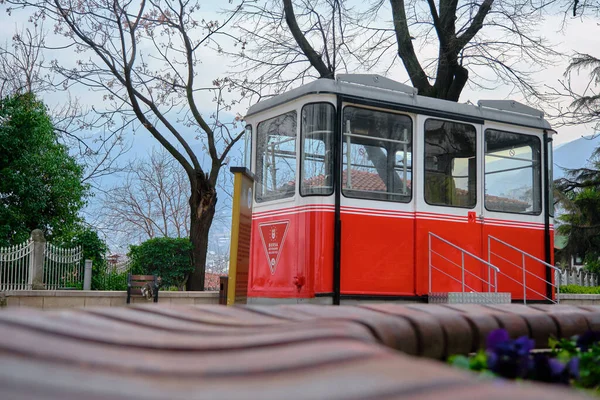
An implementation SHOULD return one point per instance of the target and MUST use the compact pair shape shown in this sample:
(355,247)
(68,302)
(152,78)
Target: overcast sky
(579,35)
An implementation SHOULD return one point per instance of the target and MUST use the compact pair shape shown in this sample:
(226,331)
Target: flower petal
(496,337)
(573,367)
(556,367)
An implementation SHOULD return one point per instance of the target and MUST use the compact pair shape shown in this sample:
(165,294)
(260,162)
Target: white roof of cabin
(384,90)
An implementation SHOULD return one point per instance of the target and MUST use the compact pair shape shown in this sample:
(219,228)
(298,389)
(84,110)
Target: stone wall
(580,299)
(53,299)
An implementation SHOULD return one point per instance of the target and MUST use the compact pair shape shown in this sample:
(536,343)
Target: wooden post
(241,228)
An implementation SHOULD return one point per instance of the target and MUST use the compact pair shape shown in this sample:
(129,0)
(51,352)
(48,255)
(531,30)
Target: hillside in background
(574,154)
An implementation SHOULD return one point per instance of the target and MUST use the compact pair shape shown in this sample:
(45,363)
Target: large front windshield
(276,158)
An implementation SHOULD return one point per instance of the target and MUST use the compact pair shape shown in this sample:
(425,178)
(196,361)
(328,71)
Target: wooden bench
(135,283)
(296,352)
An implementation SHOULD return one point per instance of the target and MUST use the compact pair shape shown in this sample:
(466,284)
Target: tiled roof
(361,180)
(369,181)
(212,281)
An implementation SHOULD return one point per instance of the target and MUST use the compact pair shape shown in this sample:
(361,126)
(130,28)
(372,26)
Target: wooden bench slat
(138,284)
(142,277)
(320,352)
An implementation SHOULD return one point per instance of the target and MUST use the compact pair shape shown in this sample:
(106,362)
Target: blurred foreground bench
(277,352)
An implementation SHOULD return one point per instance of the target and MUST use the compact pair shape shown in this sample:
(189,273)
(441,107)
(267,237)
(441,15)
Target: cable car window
(248,147)
(450,164)
(377,162)
(512,172)
(550,178)
(317,149)
(276,158)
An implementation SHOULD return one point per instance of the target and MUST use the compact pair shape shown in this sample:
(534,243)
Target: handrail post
(490,261)
(496,281)
(557,288)
(463,270)
(524,280)
(429,262)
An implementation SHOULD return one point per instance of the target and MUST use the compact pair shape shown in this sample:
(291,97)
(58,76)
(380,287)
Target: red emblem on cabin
(273,235)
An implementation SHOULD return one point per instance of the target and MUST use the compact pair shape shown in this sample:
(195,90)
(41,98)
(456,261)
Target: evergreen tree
(40,183)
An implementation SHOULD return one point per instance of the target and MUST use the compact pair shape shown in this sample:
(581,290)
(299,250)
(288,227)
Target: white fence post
(87,275)
(37,269)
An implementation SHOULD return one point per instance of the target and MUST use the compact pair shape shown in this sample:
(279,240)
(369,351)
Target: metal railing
(63,267)
(523,268)
(492,287)
(16,263)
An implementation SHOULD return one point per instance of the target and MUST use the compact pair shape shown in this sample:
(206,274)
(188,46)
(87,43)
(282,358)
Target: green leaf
(459,361)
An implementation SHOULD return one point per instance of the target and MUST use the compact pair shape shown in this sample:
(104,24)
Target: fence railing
(525,274)
(16,263)
(36,264)
(574,276)
(492,270)
(63,267)
(114,276)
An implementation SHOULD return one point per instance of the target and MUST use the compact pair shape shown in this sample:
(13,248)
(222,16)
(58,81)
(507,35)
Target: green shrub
(94,248)
(168,258)
(592,262)
(110,281)
(580,289)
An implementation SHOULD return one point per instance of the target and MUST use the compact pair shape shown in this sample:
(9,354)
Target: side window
(377,155)
(450,164)
(512,172)
(550,177)
(276,158)
(248,147)
(317,149)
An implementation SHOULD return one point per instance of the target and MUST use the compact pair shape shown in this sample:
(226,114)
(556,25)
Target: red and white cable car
(365,190)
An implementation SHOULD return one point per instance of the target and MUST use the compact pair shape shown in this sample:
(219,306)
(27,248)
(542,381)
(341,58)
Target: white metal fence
(16,263)
(63,267)
(114,276)
(574,276)
(36,264)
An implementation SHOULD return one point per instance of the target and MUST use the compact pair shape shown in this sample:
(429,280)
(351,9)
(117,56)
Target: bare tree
(21,63)
(443,45)
(583,7)
(152,201)
(584,105)
(278,49)
(92,137)
(146,58)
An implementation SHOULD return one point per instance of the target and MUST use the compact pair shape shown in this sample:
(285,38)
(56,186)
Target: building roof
(368,181)
(384,90)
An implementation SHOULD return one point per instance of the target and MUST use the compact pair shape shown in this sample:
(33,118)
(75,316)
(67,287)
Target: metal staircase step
(469,298)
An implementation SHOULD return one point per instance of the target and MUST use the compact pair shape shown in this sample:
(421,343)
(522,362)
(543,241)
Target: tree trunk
(202,204)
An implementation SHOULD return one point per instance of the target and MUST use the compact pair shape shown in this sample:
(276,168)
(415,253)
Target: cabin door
(513,217)
(376,206)
(449,207)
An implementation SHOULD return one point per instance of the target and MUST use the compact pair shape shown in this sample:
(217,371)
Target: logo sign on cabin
(273,236)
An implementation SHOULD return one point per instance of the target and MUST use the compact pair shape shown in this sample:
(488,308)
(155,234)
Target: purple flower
(573,367)
(508,358)
(524,345)
(546,369)
(588,339)
(556,367)
(496,337)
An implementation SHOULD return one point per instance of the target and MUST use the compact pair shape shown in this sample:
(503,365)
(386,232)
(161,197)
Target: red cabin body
(365,190)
